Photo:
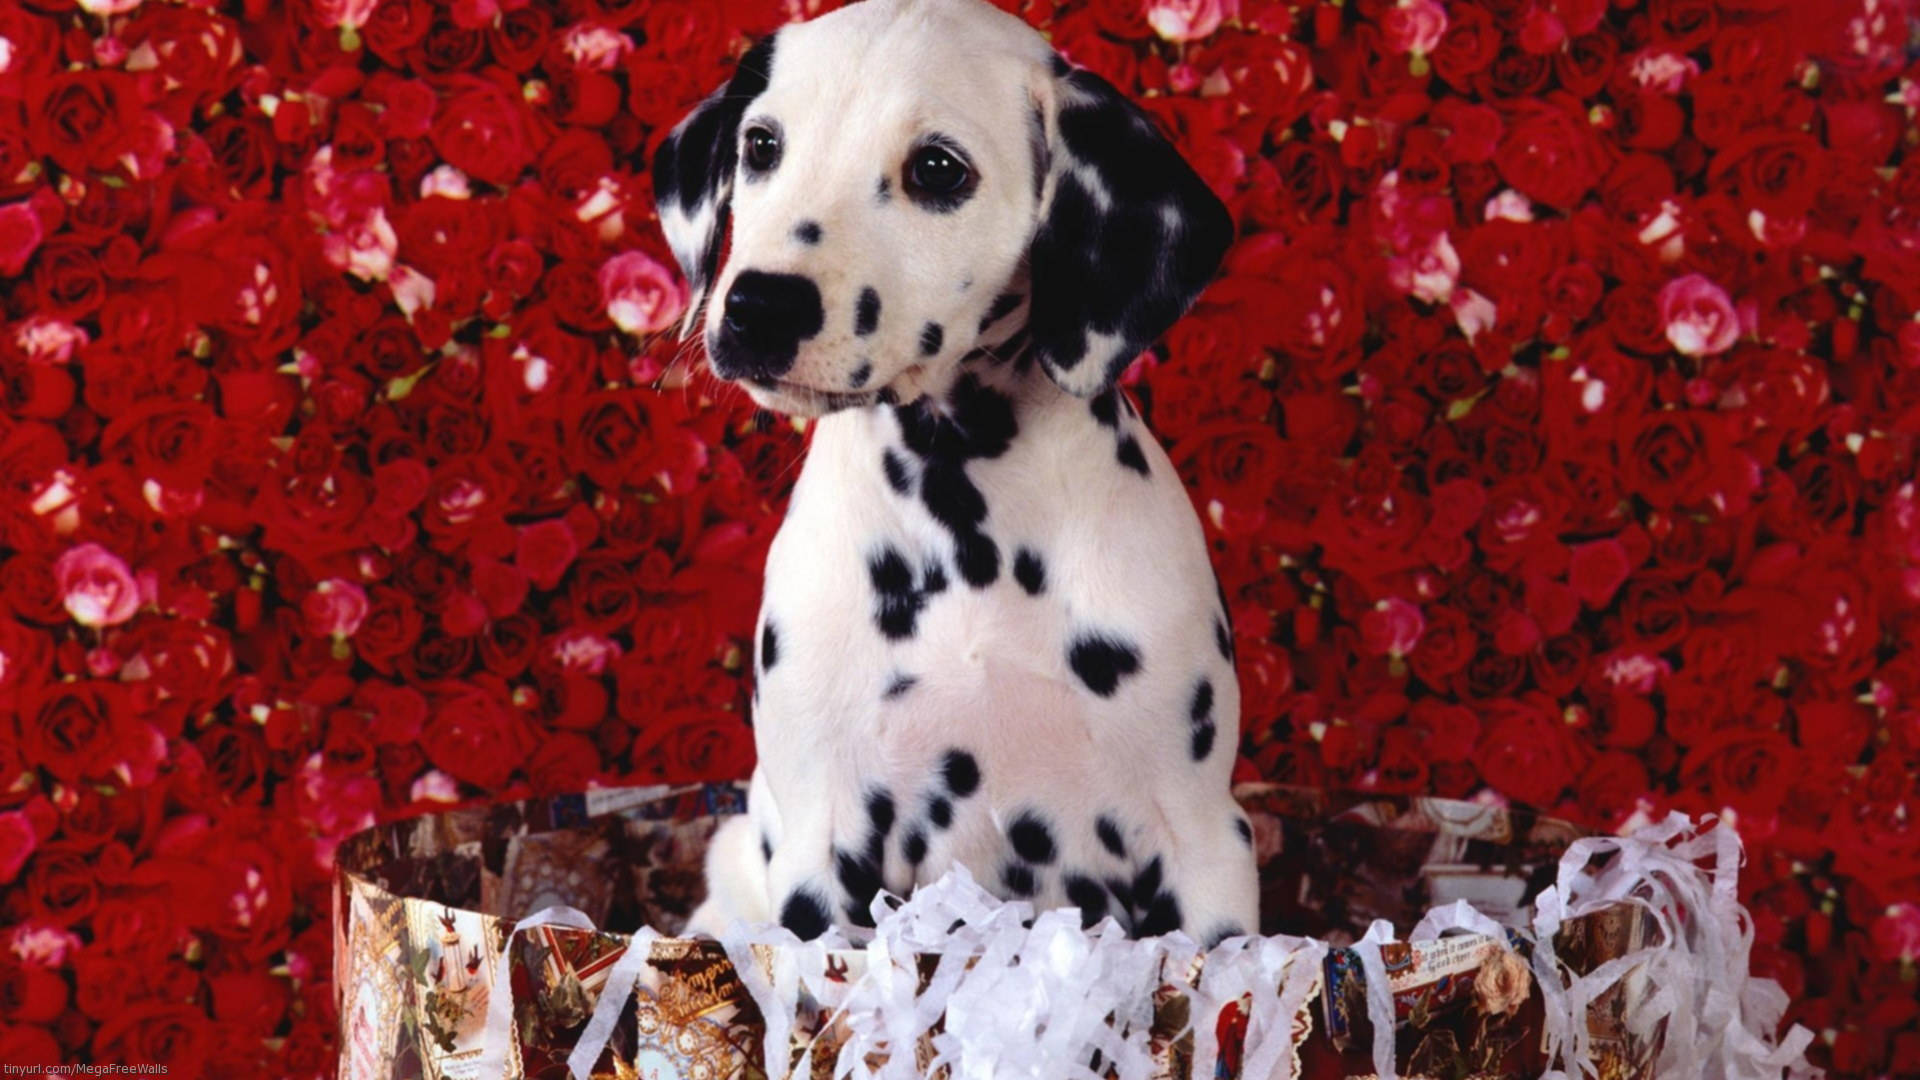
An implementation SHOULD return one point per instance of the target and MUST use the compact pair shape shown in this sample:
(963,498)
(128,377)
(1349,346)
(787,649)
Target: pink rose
(642,297)
(48,340)
(20,235)
(1415,26)
(1699,316)
(1598,570)
(1392,628)
(344,14)
(1896,934)
(335,608)
(1189,20)
(97,587)
(17,841)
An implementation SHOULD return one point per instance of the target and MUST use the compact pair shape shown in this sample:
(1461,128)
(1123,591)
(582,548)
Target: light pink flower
(642,297)
(1662,70)
(1896,933)
(1392,628)
(335,608)
(42,944)
(344,14)
(595,47)
(98,588)
(1414,26)
(47,340)
(1699,316)
(1189,20)
(1429,273)
(1474,313)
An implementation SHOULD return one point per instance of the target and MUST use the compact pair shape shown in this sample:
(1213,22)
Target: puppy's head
(876,191)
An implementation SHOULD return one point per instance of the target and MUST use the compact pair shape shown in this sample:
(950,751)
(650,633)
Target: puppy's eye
(761,149)
(938,172)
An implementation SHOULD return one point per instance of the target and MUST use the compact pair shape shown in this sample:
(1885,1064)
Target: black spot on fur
(860,375)
(933,578)
(914,848)
(1162,917)
(1245,829)
(1038,150)
(807,232)
(1222,932)
(1019,880)
(1003,306)
(961,772)
(769,646)
(1105,408)
(691,165)
(977,423)
(1203,734)
(940,812)
(860,877)
(766,848)
(1101,662)
(1109,832)
(1029,571)
(896,603)
(866,312)
(1147,881)
(896,471)
(1031,839)
(898,687)
(1126,261)
(931,338)
(1087,895)
(884,190)
(1202,707)
(1200,714)
(1059,66)
(880,811)
(1130,456)
(1222,626)
(805,914)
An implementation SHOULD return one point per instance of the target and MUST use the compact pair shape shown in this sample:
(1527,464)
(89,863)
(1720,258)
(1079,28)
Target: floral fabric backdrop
(1553,422)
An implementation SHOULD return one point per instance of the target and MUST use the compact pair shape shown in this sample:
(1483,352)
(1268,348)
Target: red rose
(1598,570)
(177,1034)
(482,131)
(475,736)
(1549,153)
(17,841)
(1609,787)
(60,885)
(1526,752)
(84,118)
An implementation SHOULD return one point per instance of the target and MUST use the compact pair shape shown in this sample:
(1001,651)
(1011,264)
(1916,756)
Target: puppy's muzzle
(767,317)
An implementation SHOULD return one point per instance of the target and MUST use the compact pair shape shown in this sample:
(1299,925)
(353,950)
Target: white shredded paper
(1050,1001)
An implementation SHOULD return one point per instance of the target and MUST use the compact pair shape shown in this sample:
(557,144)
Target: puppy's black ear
(693,173)
(1128,236)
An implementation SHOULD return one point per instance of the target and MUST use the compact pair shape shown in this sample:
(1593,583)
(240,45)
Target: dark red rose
(60,885)
(84,119)
(1668,462)
(482,130)
(518,37)
(475,736)
(176,1033)
(1471,42)
(1549,153)
(1525,751)
(1609,786)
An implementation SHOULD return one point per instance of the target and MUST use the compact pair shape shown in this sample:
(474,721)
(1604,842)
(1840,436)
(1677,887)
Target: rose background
(1553,422)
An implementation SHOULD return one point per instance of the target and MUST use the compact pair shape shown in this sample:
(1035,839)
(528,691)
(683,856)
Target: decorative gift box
(1407,937)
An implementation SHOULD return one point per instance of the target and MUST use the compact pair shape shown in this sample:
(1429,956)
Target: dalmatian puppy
(990,634)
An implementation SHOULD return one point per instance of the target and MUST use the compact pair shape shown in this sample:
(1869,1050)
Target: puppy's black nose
(767,317)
